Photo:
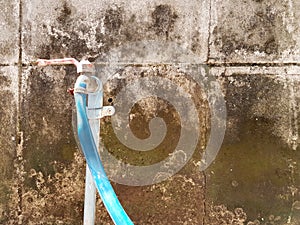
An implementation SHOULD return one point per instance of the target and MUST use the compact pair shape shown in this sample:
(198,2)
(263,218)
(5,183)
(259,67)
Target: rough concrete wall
(250,47)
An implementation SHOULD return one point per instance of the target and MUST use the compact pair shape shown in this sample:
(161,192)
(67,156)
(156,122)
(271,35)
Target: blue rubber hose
(89,148)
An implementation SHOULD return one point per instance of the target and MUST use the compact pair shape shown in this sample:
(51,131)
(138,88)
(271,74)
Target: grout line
(208,64)
(6,64)
(211,64)
(209,33)
(204,198)
(19,64)
(254,64)
(19,144)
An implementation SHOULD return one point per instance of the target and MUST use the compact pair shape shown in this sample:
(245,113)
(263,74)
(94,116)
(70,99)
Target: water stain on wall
(256,169)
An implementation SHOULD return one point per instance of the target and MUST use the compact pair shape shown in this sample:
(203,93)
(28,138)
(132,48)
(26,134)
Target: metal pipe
(89,211)
(95,102)
(92,157)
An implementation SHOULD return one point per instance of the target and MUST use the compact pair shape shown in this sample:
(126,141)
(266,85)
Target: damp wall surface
(250,49)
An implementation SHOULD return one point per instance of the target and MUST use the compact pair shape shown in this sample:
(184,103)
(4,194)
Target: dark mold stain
(66,34)
(65,13)
(271,46)
(241,97)
(4,81)
(163,20)
(116,29)
(262,32)
(195,42)
(72,45)
(113,20)
(243,92)
(65,45)
(7,129)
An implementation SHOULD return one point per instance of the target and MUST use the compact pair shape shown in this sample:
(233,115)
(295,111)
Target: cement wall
(251,48)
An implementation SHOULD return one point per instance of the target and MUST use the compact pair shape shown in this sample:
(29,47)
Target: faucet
(88,95)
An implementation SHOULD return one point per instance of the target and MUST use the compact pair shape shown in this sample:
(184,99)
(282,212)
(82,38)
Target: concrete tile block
(47,115)
(255,31)
(179,199)
(9,37)
(255,169)
(53,184)
(73,29)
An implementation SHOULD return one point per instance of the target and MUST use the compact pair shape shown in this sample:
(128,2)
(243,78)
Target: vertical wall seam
(207,61)
(209,32)
(19,69)
(204,198)
(19,147)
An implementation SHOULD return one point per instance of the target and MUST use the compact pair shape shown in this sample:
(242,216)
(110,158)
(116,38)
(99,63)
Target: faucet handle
(84,66)
(64,61)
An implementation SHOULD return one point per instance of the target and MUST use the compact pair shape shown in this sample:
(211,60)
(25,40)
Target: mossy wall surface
(249,49)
